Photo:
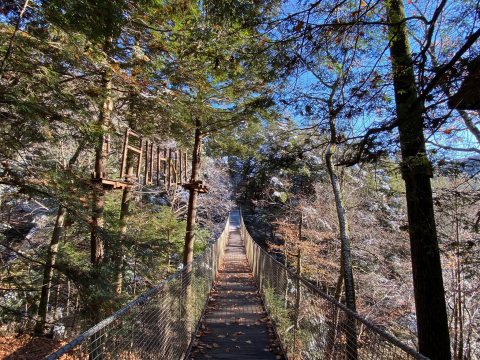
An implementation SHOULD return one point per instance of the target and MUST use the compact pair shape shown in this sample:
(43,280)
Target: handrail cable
(158,324)
(312,324)
(162,322)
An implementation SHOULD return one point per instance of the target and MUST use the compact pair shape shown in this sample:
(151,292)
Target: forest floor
(26,347)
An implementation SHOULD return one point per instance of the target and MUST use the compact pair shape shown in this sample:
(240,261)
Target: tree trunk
(432,323)
(458,352)
(124,211)
(192,200)
(3,64)
(52,254)
(48,270)
(119,252)
(101,153)
(346,261)
(190,230)
(344,237)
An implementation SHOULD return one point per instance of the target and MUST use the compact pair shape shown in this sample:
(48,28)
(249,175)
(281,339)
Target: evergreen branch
(12,39)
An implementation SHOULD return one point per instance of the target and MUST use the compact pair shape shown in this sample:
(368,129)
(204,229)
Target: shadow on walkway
(235,324)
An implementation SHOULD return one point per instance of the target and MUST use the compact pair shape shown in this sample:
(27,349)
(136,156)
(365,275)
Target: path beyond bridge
(235,324)
(235,301)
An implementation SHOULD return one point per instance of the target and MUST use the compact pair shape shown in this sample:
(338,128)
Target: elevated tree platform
(196,185)
(151,164)
(111,184)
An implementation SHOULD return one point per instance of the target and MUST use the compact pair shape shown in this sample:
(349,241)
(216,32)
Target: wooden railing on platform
(152,164)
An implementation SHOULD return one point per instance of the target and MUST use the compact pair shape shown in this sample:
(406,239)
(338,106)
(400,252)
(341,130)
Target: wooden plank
(134,133)
(134,149)
(113,184)
(236,316)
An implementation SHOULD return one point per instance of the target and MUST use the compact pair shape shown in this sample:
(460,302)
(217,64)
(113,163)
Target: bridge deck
(235,324)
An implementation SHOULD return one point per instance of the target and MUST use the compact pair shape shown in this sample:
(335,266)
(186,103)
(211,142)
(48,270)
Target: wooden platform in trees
(142,161)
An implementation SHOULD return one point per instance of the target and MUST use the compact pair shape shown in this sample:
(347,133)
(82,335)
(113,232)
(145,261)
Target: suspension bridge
(235,301)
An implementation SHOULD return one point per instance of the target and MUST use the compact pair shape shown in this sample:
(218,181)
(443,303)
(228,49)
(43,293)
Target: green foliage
(282,315)
(99,20)
(70,255)
(155,240)
(171,62)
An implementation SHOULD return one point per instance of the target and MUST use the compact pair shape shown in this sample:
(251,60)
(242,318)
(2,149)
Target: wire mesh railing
(158,324)
(311,324)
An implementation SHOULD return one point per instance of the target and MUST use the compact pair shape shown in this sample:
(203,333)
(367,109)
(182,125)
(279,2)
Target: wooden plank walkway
(235,324)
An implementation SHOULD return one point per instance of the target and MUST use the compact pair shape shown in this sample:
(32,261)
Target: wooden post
(127,150)
(185,160)
(150,177)
(165,167)
(145,173)
(139,165)
(169,167)
(297,301)
(180,160)
(175,168)
(124,154)
(158,165)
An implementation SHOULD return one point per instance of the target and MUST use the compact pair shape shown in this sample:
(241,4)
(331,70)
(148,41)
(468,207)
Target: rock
(323,225)
(388,224)
(276,182)
(396,202)
(386,209)
(384,187)
(371,205)
(280,195)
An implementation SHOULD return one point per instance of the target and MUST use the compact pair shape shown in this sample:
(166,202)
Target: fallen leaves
(26,347)
(235,303)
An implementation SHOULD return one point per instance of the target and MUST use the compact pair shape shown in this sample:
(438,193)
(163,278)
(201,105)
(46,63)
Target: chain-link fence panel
(310,323)
(158,324)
